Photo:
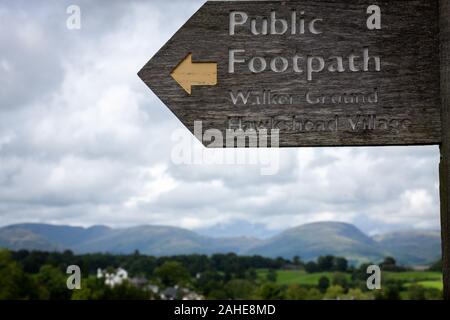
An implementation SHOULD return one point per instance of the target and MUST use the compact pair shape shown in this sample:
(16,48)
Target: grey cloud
(83,141)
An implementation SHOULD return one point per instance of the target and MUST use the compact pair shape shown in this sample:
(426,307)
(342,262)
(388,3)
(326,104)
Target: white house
(114,278)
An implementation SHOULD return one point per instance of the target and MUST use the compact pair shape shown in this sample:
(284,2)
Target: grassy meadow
(426,279)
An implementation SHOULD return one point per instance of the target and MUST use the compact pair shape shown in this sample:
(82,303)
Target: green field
(424,278)
(288,277)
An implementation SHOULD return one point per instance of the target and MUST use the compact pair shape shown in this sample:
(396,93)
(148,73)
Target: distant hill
(415,247)
(317,239)
(159,241)
(308,241)
(151,240)
(237,228)
(46,237)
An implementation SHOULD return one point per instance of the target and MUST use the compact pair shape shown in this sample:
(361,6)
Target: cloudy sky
(83,141)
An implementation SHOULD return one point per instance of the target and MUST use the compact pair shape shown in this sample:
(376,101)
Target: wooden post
(444,22)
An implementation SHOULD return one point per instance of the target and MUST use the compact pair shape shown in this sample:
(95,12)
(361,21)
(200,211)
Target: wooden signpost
(313,73)
(444,24)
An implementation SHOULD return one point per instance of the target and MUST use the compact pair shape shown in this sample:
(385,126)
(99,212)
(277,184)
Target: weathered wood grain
(407,85)
(445,147)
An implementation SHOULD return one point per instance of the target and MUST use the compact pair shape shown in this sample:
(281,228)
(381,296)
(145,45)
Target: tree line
(42,275)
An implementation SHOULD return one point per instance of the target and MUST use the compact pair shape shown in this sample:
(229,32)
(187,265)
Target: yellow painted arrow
(188,74)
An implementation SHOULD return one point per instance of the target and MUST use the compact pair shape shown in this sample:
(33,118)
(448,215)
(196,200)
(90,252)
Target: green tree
(126,291)
(325,263)
(361,272)
(272,275)
(390,264)
(314,294)
(433,294)
(340,264)
(15,284)
(358,294)
(416,292)
(390,291)
(296,292)
(340,279)
(239,289)
(311,267)
(217,294)
(91,289)
(251,274)
(324,284)
(54,282)
(95,289)
(271,291)
(297,261)
(10,275)
(172,273)
(334,293)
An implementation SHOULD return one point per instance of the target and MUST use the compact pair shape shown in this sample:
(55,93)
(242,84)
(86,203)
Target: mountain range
(307,241)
